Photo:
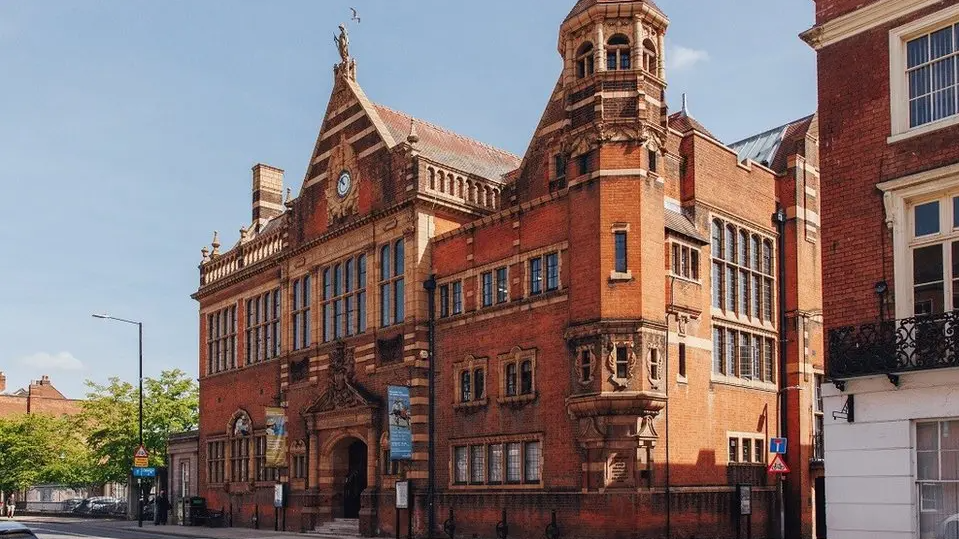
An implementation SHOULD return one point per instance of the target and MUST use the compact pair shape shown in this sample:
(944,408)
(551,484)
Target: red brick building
(890,211)
(40,397)
(607,314)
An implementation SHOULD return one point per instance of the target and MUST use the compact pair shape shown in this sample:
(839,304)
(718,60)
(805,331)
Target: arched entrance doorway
(349,459)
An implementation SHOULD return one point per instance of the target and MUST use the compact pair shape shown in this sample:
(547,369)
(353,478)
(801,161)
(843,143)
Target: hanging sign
(276,438)
(401,433)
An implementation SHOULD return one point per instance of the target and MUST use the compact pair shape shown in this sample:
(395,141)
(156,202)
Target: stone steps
(339,528)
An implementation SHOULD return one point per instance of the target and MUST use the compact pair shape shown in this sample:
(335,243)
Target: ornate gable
(341,392)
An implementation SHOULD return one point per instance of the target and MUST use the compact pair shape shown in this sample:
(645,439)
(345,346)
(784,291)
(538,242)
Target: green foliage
(37,449)
(111,415)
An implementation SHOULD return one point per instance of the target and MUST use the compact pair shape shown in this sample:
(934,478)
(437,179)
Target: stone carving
(240,424)
(343,43)
(647,429)
(340,392)
(682,322)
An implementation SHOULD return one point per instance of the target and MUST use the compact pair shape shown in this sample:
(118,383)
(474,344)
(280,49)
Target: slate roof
(583,5)
(681,224)
(771,148)
(448,148)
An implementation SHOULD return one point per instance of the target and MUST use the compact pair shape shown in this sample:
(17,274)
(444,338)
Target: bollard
(552,530)
(450,525)
(502,528)
(256,517)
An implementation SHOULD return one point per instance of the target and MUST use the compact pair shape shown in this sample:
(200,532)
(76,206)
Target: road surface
(86,530)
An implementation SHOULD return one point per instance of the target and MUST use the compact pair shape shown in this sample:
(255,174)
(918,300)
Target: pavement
(72,528)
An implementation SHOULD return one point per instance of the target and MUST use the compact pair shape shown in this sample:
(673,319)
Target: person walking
(11,505)
(162,508)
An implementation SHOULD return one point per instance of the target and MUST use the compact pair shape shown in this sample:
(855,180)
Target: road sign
(778,465)
(144,472)
(777,446)
(141,458)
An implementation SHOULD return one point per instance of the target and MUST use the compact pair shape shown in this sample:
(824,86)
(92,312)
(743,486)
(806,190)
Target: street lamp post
(139,326)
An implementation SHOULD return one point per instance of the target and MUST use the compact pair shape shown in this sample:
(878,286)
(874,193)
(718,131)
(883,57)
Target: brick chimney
(3,382)
(267,194)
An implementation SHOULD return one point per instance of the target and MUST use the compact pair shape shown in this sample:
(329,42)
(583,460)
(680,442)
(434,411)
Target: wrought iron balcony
(894,347)
(818,450)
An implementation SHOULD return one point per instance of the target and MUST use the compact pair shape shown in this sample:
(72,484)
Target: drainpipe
(669,505)
(779,219)
(430,286)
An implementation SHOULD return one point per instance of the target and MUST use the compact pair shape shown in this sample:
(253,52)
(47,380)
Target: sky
(128,129)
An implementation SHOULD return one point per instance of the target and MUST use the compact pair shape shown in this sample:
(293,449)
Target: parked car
(97,505)
(71,504)
(15,530)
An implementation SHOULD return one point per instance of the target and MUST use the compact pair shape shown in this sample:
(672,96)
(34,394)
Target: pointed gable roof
(583,5)
(448,148)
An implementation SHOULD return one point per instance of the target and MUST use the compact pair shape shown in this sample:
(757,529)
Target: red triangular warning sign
(141,452)
(778,465)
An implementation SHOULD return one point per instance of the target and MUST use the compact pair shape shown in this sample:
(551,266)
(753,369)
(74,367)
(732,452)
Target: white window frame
(898,81)
(900,196)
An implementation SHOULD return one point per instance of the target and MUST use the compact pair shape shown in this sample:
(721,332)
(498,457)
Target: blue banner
(401,435)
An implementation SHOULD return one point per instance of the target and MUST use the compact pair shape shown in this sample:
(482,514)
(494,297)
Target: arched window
(743,249)
(442,181)
(650,62)
(432,178)
(617,53)
(717,238)
(470,194)
(584,60)
(459,187)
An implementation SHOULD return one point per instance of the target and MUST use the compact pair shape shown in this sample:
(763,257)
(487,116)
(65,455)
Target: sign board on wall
(276,438)
(745,499)
(402,494)
(278,495)
(401,433)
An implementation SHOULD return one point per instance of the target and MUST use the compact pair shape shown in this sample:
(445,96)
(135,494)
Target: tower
(610,153)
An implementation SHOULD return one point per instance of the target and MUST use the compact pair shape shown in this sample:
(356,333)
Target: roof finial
(685,105)
(289,197)
(216,243)
(206,254)
(413,138)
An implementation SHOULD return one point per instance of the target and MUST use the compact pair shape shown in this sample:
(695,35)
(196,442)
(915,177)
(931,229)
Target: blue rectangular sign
(401,433)
(777,446)
(144,472)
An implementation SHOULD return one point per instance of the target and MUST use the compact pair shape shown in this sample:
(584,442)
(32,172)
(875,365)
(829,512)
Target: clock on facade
(343,183)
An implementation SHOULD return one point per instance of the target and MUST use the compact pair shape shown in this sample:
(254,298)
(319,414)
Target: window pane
(759,457)
(361,272)
(465,387)
(940,43)
(928,280)
(734,450)
(477,463)
(400,265)
(717,249)
(955,275)
(399,305)
(526,378)
(461,467)
(444,301)
(495,463)
(535,275)
(730,244)
(479,384)
(927,218)
(717,285)
(747,450)
(533,461)
(621,263)
(552,271)
(385,305)
(611,61)
(348,276)
(917,51)
(718,351)
(513,463)
(457,297)
(487,289)
(385,262)
(511,380)
(502,285)
(927,465)
(927,436)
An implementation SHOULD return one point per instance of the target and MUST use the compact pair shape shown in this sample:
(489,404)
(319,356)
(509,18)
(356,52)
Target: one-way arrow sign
(778,465)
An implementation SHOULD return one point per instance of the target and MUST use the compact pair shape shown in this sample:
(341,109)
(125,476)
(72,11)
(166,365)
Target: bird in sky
(355,15)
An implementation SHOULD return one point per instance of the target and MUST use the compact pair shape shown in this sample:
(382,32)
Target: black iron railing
(818,450)
(897,346)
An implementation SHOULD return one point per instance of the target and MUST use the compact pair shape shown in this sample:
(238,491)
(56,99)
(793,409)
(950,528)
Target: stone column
(661,57)
(638,43)
(600,48)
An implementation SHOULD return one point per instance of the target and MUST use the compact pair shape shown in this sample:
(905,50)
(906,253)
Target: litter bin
(197,508)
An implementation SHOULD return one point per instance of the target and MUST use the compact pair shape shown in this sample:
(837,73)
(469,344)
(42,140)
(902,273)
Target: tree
(37,449)
(110,415)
